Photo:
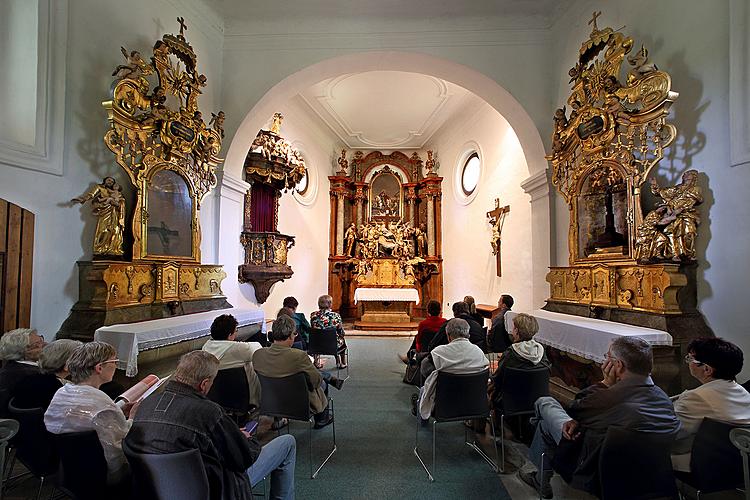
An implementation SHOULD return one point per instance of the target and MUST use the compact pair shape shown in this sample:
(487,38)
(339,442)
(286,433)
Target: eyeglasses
(39,343)
(108,361)
(690,359)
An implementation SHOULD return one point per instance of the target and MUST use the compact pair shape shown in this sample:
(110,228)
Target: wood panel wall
(16,260)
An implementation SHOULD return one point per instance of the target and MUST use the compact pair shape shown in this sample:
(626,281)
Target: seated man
(715,363)
(81,406)
(476,332)
(233,354)
(627,397)
(182,418)
(303,326)
(19,351)
(280,360)
(524,354)
(426,329)
(498,339)
(299,341)
(459,356)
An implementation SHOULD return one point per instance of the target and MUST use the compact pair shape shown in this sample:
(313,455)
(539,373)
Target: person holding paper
(81,406)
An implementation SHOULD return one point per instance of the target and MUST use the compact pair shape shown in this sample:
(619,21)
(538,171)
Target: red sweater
(431,324)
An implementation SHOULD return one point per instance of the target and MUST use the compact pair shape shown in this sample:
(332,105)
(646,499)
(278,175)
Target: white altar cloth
(586,337)
(386,295)
(131,338)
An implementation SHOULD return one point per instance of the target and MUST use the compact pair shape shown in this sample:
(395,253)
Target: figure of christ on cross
(497,219)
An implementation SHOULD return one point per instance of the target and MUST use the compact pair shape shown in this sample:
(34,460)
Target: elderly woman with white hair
(36,391)
(324,317)
(19,351)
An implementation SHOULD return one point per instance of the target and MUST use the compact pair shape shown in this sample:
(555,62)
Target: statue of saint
(350,239)
(108,205)
(683,217)
(420,234)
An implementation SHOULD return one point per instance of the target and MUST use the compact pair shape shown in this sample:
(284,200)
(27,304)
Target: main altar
(632,258)
(385,260)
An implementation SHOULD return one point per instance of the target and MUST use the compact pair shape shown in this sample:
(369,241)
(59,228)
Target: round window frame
(308,197)
(463,174)
(465,152)
(306,178)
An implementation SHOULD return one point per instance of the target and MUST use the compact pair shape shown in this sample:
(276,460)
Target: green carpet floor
(375,437)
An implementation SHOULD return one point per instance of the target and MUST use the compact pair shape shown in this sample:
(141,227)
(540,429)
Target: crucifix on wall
(496,218)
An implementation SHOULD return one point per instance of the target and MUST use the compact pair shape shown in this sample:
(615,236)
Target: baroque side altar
(385,234)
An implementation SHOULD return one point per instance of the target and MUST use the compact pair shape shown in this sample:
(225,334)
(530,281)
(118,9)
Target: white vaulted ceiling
(384,109)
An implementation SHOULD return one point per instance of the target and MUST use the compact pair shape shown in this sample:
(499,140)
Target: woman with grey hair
(81,406)
(324,317)
(36,391)
(19,349)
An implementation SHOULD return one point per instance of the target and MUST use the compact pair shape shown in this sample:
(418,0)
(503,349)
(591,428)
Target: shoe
(341,366)
(319,424)
(279,423)
(529,477)
(414,401)
(337,382)
(403,359)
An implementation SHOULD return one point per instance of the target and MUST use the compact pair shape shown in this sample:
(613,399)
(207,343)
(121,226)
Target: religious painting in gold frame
(386,196)
(167,231)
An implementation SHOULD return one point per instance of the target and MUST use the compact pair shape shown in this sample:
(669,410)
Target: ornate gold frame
(386,170)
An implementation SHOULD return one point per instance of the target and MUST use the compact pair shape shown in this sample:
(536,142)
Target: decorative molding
(739,82)
(232,187)
(383,41)
(46,155)
(537,186)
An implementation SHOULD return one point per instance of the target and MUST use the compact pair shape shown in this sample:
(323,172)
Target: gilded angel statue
(108,205)
(135,66)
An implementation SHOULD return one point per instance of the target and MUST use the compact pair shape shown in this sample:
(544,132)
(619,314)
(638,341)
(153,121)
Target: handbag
(412,375)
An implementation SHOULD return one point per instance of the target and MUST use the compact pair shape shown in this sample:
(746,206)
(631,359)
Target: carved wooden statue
(108,205)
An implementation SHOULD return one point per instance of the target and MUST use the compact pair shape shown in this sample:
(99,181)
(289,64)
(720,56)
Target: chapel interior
(383,153)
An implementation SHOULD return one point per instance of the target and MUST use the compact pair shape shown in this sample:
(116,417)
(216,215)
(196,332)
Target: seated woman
(326,318)
(81,406)
(19,352)
(36,391)
(427,329)
(303,326)
(299,341)
(525,353)
(473,310)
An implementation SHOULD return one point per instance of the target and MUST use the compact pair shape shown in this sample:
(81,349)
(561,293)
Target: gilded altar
(150,266)
(631,259)
(385,228)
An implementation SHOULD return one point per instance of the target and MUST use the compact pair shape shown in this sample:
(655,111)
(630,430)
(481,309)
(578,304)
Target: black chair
(167,476)
(636,465)
(8,429)
(230,390)
(287,397)
(458,398)
(521,389)
(323,342)
(83,468)
(740,438)
(33,444)
(715,463)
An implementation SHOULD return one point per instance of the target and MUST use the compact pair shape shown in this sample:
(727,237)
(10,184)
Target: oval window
(301,186)
(470,174)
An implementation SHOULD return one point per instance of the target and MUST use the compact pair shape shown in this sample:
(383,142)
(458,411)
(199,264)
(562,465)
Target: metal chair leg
(541,473)
(473,445)
(502,441)
(416,449)
(333,427)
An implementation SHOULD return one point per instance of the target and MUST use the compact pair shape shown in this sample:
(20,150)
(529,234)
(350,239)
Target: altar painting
(385,195)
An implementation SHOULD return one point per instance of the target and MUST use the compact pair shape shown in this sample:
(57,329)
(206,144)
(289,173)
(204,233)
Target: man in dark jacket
(182,418)
(627,398)
(498,339)
(476,332)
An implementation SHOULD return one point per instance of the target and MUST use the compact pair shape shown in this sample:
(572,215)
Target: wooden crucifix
(496,218)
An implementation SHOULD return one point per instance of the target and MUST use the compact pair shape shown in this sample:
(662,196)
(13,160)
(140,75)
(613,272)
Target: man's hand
(130,409)
(570,430)
(609,369)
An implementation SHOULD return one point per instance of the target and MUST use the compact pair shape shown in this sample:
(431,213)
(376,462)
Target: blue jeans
(277,458)
(551,417)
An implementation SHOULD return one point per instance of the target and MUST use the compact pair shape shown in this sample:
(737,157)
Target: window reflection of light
(470,174)
(301,186)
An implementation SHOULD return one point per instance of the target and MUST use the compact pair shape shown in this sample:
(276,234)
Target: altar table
(386,305)
(133,338)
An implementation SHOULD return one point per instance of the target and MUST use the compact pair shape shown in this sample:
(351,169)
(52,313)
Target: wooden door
(16,260)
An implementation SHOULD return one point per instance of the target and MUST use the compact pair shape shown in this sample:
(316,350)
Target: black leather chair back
(168,476)
(230,390)
(521,389)
(285,397)
(323,341)
(715,463)
(34,446)
(83,466)
(636,465)
(461,397)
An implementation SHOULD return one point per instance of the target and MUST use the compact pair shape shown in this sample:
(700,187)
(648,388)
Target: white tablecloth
(386,295)
(129,339)
(586,337)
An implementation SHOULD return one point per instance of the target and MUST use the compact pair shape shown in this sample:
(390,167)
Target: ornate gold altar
(271,166)
(623,265)
(385,229)
(159,137)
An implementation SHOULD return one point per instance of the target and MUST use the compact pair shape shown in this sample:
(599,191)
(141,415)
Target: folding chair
(164,476)
(740,438)
(230,391)
(288,397)
(323,342)
(458,398)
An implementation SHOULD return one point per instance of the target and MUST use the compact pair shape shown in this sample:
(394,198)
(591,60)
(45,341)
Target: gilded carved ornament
(285,166)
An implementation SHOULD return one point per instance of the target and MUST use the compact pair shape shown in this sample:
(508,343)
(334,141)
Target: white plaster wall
(468,262)
(63,234)
(690,41)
